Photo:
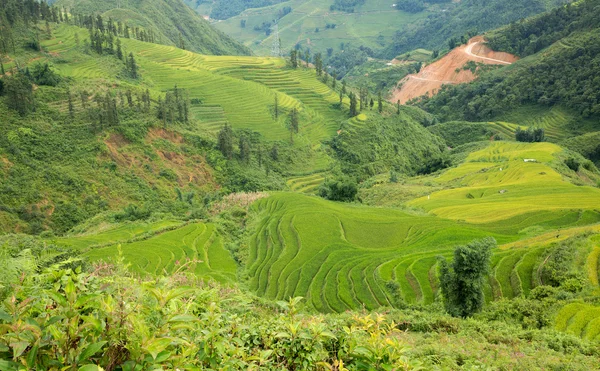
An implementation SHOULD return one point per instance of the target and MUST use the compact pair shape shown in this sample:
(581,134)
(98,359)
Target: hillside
(458,66)
(163,209)
(169,20)
(554,87)
(382,28)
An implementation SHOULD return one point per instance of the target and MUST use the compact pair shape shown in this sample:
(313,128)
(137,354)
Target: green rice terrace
(165,209)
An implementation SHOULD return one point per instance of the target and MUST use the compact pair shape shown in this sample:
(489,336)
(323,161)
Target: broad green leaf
(157,345)
(90,350)
(162,356)
(8,366)
(91,368)
(184,318)
(31,356)
(18,348)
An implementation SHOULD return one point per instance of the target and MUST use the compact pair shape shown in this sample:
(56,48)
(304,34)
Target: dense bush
(530,135)
(342,189)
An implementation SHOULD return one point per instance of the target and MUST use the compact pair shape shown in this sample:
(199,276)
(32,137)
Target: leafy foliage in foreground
(68,318)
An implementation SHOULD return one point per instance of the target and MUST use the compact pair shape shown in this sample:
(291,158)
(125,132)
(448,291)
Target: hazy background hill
(167,18)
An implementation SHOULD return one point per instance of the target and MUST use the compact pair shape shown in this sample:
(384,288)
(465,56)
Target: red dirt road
(432,77)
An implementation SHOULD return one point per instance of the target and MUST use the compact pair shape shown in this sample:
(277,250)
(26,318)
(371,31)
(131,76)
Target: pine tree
(276,106)
(119,51)
(244,149)
(380,102)
(19,93)
(371,103)
(334,80)
(307,57)
(293,123)
(353,105)
(342,92)
(398,106)
(133,69)
(129,99)
(225,141)
(294,58)
(318,64)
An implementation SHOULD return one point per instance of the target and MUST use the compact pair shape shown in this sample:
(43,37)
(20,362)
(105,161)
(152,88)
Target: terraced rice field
(579,319)
(343,256)
(496,184)
(239,91)
(194,247)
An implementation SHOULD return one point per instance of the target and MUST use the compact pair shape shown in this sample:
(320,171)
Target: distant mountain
(169,19)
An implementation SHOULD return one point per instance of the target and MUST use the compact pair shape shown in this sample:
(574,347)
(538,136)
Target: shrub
(342,189)
(572,163)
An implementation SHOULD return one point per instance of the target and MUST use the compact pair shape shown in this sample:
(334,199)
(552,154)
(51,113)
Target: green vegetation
(171,22)
(144,186)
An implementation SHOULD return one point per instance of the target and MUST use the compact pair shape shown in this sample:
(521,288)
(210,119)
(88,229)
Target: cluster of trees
(264,27)
(530,135)
(343,189)
(18,87)
(248,147)
(116,29)
(346,5)
(564,76)
(529,36)
(175,107)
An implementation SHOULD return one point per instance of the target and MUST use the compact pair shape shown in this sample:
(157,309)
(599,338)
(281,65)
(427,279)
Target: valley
(172,197)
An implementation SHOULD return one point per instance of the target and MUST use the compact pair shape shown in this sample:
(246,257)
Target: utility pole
(276,48)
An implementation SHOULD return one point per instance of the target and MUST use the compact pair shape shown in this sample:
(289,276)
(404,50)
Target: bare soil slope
(444,71)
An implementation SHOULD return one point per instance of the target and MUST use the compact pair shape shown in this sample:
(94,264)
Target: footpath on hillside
(449,70)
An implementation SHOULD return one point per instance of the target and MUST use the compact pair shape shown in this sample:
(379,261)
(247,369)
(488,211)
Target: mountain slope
(458,66)
(562,76)
(167,18)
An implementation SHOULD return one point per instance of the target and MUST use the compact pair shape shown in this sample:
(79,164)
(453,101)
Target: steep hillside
(171,20)
(555,88)
(459,66)
(462,18)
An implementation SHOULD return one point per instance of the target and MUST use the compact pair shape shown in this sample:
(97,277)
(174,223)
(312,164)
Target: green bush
(342,189)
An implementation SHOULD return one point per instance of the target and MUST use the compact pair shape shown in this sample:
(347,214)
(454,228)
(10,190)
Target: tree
(353,105)
(342,189)
(244,149)
(293,123)
(225,141)
(276,106)
(307,57)
(132,66)
(379,102)
(243,23)
(294,58)
(181,42)
(398,107)
(318,64)
(334,80)
(119,51)
(19,93)
(342,92)
(462,282)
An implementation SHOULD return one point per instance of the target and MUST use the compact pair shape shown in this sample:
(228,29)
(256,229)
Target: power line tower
(276,49)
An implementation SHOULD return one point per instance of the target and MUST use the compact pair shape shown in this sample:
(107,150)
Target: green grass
(195,247)
(496,184)
(579,319)
(339,256)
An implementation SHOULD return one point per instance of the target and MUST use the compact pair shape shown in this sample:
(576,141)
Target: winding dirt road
(449,70)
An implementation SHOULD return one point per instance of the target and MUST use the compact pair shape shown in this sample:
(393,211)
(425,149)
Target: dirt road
(449,70)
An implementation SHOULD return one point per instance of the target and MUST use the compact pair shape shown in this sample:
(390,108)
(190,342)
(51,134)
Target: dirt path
(449,70)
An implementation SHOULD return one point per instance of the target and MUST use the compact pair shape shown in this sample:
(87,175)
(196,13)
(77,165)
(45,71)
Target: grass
(579,319)
(194,247)
(505,186)
(339,256)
